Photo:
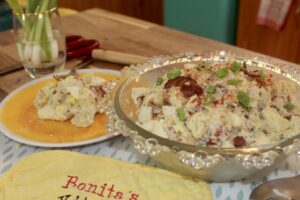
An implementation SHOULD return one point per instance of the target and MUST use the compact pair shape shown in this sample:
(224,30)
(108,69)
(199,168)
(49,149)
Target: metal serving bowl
(218,164)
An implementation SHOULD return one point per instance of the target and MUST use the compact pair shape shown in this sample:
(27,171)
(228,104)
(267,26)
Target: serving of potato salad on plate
(217,105)
(75,98)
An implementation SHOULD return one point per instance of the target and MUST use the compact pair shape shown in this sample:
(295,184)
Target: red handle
(72,38)
(81,48)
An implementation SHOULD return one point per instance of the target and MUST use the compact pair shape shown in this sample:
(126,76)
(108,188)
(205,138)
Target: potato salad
(74,98)
(218,105)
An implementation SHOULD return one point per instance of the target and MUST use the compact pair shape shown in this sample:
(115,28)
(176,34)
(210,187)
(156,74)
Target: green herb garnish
(208,100)
(211,89)
(289,106)
(244,65)
(235,67)
(261,75)
(181,114)
(222,72)
(174,74)
(159,81)
(234,81)
(244,99)
(200,67)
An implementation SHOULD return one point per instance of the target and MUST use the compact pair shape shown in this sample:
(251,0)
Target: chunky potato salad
(72,98)
(220,106)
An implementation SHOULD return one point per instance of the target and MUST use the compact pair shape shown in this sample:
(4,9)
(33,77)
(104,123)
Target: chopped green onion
(244,99)
(261,75)
(211,89)
(234,81)
(289,106)
(181,114)
(244,65)
(222,72)
(159,81)
(174,74)
(235,67)
(208,100)
(200,67)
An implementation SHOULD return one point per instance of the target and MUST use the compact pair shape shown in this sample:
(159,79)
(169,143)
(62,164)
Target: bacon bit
(191,90)
(215,102)
(256,76)
(273,97)
(154,115)
(141,99)
(273,94)
(190,113)
(98,90)
(188,86)
(269,78)
(220,101)
(251,74)
(210,142)
(218,132)
(179,81)
(239,141)
(218,65)
(230,94)
(261,83)
(197,101)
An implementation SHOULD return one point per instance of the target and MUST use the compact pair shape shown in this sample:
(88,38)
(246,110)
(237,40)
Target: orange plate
(19,119)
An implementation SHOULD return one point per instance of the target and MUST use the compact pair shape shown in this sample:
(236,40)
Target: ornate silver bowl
(218,164)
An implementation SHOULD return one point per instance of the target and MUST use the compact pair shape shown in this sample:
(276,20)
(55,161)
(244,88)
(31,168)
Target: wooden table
(115,32)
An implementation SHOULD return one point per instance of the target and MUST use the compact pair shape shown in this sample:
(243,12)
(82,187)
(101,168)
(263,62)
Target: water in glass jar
(42,57)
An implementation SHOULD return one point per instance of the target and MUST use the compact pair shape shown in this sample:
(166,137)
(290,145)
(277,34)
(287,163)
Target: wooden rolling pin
(117,57)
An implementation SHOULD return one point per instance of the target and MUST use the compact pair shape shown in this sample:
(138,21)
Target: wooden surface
(115,32)
(284,44)
(149,10)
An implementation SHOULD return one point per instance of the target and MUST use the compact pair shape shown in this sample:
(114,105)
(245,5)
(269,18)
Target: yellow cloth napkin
(64,175)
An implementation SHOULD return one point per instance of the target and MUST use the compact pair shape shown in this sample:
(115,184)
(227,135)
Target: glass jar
(40,41)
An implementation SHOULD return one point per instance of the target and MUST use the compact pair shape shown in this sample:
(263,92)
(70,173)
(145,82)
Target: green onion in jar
(174,74)
(222,72)
(159,81)
(181,114)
